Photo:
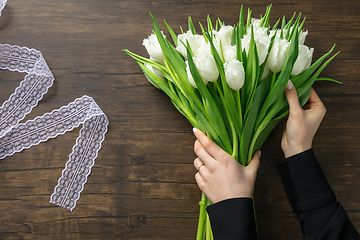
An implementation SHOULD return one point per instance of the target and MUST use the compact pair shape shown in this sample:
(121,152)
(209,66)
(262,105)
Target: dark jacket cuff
(305,183)
(233,219)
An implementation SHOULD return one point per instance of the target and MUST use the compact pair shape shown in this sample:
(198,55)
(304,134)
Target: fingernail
(259,153)
(290,85)
(195,130)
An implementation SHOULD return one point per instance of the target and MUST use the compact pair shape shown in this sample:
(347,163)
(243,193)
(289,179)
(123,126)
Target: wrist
(293,150)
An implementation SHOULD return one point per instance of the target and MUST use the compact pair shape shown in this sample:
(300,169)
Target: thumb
(292,97)
(255,162)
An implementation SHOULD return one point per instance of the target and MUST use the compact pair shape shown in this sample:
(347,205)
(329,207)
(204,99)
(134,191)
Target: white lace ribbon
(2,5)
(15,136)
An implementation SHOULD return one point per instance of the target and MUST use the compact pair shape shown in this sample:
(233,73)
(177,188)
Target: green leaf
(248,21)
(250,118)
(172,34)
(276,24)
(302,25)
(239,55)
(328,79)
(262,137)
(252,70)
(288,26)
(191,26)
(210,26)
(241,22)
(233,36)
(295,24)
(283,24)
(265,20)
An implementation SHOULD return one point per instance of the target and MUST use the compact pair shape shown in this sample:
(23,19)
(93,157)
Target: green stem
(256,226)
(202,217)
(235,142)
(239,107)
(217,86)
(208,225)
(273,80)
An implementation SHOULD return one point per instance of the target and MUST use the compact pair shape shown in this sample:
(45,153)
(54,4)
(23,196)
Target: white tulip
(224,36)
(195,41)
(234,74)
(278,54)
(205,63)
(266,73)
(262,46)
(190,77)
(156,72)
(302,37)
(303,60)
(153,48)
(229,53)
(259,32)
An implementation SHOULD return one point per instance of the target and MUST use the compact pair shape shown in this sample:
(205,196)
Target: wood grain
(142,185)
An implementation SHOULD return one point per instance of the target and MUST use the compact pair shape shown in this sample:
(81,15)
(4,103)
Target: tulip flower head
(278,54)
(153,48)
(206,65)
(303,60)
(229,53)
(190,77)
(223,36)
(153,71)
(234,74)
(195,41)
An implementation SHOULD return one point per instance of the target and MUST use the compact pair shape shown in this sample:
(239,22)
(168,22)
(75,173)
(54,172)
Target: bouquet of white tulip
(229,82)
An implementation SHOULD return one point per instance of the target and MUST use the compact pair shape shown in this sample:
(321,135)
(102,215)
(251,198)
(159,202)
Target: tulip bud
(195,41)
(278,54)
(303,60)
(156,72)
(262,41)
(153,48)
(224,36)
(234,74)
(302,36)
(259,32)
(190,77)
(229,53)
(206,64)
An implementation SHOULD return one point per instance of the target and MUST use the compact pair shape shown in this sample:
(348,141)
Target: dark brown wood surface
(142,185)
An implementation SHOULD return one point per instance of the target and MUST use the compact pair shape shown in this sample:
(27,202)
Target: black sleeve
(233,219)
(311,197)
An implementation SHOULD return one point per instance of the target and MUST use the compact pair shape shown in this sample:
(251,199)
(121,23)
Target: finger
(255,162)
(203,155)
(314,100)
(209,146)
(200,181)
(197,163)
(292,98)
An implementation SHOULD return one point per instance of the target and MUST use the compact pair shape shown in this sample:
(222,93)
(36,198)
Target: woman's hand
(302,123)
(219,175)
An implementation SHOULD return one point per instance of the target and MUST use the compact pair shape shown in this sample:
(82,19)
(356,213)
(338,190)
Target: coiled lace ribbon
(15,136)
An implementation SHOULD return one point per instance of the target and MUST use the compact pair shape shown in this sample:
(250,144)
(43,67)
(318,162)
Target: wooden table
(142,185)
